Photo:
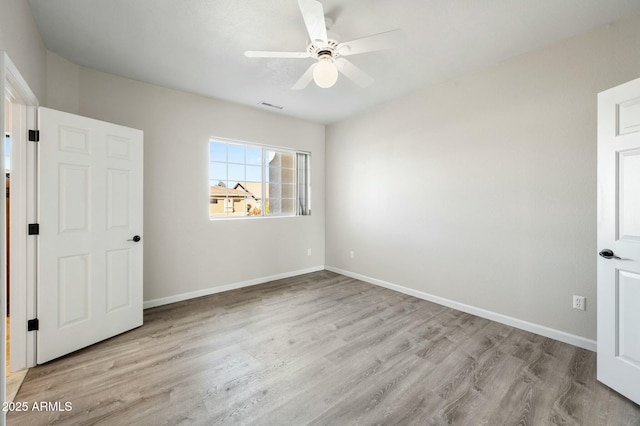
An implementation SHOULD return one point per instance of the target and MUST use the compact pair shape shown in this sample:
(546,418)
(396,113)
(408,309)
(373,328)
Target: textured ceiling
(197,45)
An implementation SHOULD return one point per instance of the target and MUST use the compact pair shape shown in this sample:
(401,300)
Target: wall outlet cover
(579,302)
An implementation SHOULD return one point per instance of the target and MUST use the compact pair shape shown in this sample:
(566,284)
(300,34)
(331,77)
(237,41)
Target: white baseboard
(219,289)
(552,333)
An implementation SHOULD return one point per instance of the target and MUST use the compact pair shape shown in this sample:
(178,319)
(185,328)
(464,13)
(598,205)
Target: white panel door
(619,239)
(89,247)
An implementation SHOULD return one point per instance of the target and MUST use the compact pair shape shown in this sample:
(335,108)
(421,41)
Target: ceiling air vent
(267,104)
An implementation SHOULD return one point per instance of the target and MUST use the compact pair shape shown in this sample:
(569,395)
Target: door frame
(24,105)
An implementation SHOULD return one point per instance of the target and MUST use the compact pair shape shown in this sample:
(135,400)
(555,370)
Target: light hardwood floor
(321,349)
(13,380)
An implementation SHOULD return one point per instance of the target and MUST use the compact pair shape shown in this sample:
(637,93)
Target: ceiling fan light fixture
(328,51)
(325,74)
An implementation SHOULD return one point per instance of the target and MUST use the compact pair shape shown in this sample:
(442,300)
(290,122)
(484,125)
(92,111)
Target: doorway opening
(13,379)
(18,112)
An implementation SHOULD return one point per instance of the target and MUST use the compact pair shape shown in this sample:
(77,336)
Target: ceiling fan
(329,53)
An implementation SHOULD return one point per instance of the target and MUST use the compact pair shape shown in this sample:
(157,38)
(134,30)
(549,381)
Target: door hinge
(33,325)
(34,229)
(34,135)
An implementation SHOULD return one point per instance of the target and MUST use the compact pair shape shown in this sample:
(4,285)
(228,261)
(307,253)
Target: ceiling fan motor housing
(331,50)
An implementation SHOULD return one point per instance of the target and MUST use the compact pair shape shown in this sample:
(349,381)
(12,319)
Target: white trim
(17,86)
(253,144)
(23,187)
(219,289)
(542,330)
(23,192)
(14,88)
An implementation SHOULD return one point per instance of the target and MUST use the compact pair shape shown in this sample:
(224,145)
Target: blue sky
(234,163)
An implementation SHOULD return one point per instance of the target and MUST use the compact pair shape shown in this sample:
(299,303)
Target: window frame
(264,148)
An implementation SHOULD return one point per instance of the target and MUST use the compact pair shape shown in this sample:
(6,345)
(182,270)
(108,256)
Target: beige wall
(20,38)
(502,167)
(184,250)
(63,80)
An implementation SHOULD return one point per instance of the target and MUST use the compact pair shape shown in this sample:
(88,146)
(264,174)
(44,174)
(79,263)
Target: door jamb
(24,210)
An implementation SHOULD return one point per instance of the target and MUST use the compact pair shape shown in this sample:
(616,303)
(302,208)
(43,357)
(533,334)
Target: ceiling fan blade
(371,43)
(313,15)
(305,79)
(267,54)
(353,73)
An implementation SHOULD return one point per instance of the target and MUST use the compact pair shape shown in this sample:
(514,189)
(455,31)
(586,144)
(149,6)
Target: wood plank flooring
(13,380)
(321,349)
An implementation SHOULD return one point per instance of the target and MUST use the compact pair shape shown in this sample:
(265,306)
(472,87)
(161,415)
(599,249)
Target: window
(249,180)
(7,151)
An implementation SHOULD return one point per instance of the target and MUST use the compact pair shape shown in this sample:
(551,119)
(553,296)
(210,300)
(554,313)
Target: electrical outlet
(351,254)
(579,302)
(308,252)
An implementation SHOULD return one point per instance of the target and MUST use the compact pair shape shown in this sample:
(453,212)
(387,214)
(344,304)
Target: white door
(90,209)
(619,239)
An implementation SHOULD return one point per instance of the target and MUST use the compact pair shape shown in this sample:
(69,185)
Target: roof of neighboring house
(236,192)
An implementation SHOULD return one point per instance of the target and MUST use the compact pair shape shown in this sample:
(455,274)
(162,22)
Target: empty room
(321,212)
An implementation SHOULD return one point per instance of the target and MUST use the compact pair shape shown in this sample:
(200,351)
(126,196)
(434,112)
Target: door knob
(608,254)
(135,238)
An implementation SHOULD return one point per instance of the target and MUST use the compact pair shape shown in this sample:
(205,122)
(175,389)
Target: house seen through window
(250,180)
